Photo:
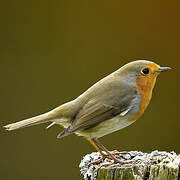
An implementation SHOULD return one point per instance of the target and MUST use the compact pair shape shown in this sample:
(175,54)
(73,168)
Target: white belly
(106,127)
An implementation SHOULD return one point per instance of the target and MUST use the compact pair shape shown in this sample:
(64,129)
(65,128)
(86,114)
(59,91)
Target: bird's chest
(145,97)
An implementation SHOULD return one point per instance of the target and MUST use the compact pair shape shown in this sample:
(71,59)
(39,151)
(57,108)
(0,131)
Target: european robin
(111,104)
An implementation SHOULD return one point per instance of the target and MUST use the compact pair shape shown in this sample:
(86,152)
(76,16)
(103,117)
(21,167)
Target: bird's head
(142,73)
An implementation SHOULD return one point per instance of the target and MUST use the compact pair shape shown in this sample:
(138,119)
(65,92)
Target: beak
(161,69)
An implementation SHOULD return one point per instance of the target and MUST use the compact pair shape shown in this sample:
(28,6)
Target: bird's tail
(30,122)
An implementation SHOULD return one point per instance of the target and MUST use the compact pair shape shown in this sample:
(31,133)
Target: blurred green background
(52,51)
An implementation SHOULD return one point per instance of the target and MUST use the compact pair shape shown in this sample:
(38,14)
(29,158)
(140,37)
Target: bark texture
(144,166)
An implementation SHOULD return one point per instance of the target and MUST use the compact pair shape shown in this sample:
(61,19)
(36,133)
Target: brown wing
(101,108)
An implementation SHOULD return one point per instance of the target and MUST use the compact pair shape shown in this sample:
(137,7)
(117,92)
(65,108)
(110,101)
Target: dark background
(52,51)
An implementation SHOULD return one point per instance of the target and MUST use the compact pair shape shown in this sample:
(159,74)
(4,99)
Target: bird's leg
(112,156)
(106,150)
(96,143)
(98,146)
(92,141)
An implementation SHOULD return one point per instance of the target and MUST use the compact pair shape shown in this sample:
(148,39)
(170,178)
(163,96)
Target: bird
(113,103)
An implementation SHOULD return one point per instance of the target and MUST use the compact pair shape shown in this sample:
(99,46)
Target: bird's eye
(145,71)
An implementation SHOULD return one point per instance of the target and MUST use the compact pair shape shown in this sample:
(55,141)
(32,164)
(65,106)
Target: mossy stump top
(145,166)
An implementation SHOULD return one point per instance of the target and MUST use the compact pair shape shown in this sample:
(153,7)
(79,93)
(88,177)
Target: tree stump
(144,166)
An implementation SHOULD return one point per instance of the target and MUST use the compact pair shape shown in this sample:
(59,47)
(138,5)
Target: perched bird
(111,104)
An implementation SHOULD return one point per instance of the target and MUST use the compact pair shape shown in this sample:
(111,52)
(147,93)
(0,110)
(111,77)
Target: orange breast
(145,87)
(145,99)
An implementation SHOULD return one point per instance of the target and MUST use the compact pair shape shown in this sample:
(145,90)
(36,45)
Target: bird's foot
(119,153)
(104,156)
(97,161)
(116,161)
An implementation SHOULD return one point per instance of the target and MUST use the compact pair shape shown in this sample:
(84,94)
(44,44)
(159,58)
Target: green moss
(118,174)
(162,172)
(128,174)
